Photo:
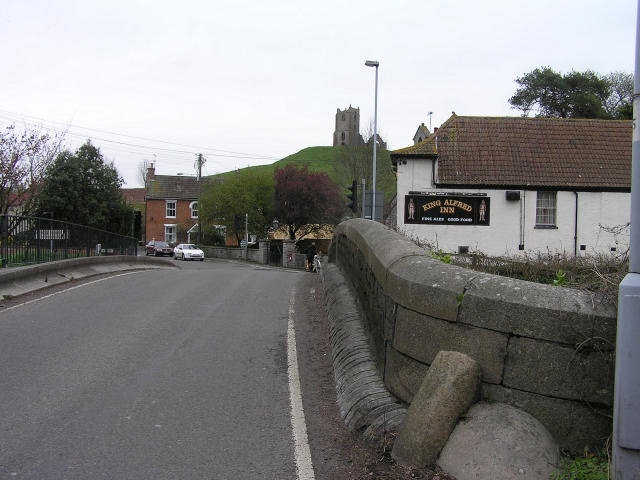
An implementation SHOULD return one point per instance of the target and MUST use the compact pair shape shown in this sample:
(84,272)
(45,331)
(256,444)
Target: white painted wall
(513,222)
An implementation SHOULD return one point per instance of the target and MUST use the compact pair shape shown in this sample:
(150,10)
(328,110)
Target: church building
(347,130)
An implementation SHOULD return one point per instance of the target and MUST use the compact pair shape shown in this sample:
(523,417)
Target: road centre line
(302,452)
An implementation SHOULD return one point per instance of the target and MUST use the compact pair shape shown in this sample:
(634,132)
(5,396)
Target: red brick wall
(156,219)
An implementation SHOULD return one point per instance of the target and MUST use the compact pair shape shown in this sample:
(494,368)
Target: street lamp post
(376,64)
(625,450)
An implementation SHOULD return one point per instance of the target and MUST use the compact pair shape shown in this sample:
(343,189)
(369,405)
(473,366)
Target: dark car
(158,248)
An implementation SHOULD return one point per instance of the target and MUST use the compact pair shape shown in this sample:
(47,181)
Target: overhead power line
(72,130)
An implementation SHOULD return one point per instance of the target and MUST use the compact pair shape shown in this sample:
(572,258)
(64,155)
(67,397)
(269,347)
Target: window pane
(170,233)
(546,208)
(171,209)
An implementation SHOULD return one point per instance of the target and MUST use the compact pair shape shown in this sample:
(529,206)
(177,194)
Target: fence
(30,240)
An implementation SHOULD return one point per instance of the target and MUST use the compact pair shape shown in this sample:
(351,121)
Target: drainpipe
(523,219)
(575,229)
(626,405)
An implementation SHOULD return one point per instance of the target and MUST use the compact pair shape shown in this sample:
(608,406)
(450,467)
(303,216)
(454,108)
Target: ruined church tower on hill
(347,130)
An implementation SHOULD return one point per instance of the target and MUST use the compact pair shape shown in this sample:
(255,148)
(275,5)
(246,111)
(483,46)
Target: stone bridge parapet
(545,349)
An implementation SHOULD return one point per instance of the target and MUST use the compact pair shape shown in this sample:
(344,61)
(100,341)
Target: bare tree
(24,159)
(619,104)
(142,172)
(356,161)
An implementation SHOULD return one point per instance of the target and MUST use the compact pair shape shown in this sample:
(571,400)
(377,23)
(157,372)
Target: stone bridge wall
(548,350)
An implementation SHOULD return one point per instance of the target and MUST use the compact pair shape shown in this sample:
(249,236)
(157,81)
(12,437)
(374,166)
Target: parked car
(188,251)
(158,248)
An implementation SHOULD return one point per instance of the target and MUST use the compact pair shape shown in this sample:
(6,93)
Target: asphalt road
(163,374)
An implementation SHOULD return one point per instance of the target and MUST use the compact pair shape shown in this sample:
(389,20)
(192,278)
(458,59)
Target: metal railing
(31,240)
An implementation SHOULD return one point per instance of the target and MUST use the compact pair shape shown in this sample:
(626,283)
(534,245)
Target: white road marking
(66,290)
(302,452)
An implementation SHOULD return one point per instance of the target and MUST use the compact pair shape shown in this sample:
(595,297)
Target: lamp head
(372,63)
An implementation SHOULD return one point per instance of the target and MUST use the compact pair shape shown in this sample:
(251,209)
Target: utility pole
(364,196)
(246,228)
(200,160)
(626,405)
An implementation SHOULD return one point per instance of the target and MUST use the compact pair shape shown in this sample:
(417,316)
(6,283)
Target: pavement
(21,280)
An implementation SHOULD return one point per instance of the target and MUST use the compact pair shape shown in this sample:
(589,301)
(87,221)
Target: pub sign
(447,209)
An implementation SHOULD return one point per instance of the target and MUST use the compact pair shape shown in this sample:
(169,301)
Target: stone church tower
(347,130)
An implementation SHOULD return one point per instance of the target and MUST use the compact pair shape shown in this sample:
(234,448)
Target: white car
(188,251)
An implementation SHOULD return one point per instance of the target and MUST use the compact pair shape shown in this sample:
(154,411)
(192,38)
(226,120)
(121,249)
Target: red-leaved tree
(306,201)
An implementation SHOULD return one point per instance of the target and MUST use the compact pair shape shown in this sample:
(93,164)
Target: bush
(599,274)
(588,467)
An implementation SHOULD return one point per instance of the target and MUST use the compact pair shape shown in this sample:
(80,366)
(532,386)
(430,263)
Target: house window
(170,233)
(171,209)
(193,206)
(546,206)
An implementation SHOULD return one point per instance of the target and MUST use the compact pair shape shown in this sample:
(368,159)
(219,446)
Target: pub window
(193,206)
(546,206)
(171,209)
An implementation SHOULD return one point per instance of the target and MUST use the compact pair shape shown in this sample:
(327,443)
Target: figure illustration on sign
(483,211)
(412,209)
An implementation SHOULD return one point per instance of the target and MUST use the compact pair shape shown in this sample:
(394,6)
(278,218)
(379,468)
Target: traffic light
(353,196)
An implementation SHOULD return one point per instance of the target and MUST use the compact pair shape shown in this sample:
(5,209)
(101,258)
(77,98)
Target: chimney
(151,171)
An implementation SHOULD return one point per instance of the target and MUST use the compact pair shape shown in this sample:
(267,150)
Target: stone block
(403,375)
(390,308)
(574,425)
(535,310)
(450,387)
(559,371)
(427,285)
(422,337)
(496,440)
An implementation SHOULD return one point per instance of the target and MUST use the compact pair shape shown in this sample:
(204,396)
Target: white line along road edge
(302,452)
(82,285)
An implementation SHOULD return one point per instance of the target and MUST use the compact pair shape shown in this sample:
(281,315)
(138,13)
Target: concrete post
(288,253)
(263,248)
(626,409)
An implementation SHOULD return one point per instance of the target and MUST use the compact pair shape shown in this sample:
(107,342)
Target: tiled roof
(521,151)
(422,128)
(133,195)
(178,187)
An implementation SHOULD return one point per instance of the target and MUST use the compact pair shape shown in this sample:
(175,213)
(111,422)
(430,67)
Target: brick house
(171,207)
(509,185)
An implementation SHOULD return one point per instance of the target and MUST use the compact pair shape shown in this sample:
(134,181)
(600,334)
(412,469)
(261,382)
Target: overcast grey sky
(250,82)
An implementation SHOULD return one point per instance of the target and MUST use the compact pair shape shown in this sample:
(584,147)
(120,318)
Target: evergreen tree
(82,188)
(548,93)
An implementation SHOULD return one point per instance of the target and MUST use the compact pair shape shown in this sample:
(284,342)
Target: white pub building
(508,185)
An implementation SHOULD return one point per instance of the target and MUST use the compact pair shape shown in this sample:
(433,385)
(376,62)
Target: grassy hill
(331,160)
